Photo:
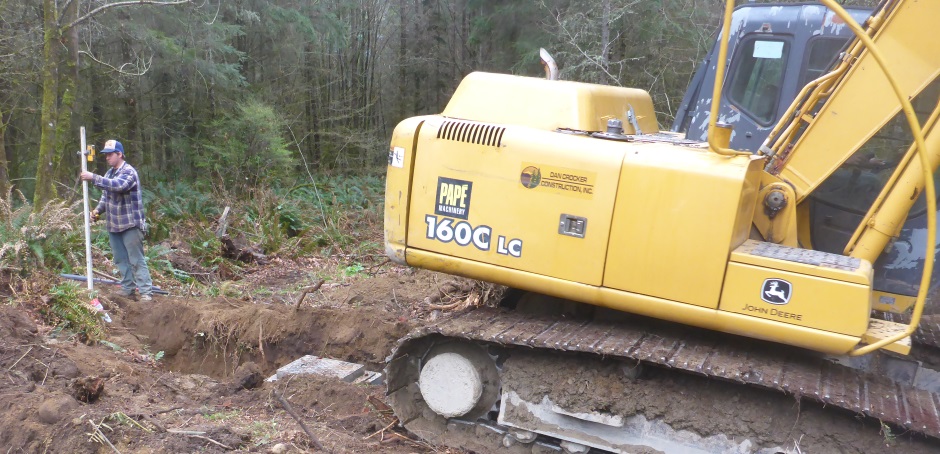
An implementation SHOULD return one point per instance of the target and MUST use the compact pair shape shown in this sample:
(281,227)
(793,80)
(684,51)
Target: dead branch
(305,291)
(185,432)
(105,275)
(446,307)
(167,410)
(153,421)
(117,4)
(100,436)
(21,357)
(290,411)
(379,265)
(264,361)
(141,66)
(45,375)
(210,441)
(223,223)
(382,431)
(198,434)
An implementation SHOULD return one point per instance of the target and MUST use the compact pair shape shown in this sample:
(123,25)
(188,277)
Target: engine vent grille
(478,133)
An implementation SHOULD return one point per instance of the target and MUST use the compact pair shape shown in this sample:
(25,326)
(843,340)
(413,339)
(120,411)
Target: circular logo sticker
(531,177)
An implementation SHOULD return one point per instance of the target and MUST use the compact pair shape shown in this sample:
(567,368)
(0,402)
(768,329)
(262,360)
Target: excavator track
(800,374)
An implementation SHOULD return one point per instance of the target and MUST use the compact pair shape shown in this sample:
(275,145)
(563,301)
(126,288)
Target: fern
(157,263)
(46,238)
(68,309)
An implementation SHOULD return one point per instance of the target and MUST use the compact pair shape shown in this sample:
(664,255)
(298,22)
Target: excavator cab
(775,50)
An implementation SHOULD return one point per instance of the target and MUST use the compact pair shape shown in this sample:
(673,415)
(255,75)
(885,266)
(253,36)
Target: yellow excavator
(630,246)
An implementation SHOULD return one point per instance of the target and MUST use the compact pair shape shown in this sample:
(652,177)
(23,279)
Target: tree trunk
(312,135)
(68,81)
(131,139)
(97,116)
(5,184)
(162,143)
(605,35)
(402,57)
(45,167)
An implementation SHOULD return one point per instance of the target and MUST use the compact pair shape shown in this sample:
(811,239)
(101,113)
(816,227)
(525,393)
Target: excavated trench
(216,336)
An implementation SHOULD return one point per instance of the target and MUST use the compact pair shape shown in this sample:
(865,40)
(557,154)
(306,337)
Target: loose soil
(205,391)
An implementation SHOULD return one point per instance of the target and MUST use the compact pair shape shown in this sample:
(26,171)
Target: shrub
(245,148)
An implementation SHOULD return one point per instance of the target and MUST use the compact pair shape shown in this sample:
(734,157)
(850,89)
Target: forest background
(281,109)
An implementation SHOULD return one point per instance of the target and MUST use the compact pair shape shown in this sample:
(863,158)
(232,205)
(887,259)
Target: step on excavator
(672,294)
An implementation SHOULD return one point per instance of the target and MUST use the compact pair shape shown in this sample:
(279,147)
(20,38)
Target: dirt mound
(166,381)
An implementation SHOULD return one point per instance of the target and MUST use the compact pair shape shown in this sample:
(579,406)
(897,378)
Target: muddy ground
(204,392)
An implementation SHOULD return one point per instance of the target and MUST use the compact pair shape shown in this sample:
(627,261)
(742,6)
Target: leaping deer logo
(776,291)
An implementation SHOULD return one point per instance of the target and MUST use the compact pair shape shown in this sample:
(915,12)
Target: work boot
(125,292)
(146,298)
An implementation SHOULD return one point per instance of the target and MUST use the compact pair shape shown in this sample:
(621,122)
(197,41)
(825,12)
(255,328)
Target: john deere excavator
(645,264)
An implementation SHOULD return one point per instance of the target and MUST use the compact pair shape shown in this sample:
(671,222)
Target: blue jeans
(128,250)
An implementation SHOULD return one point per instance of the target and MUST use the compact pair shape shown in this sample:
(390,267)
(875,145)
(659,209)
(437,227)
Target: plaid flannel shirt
(121,197)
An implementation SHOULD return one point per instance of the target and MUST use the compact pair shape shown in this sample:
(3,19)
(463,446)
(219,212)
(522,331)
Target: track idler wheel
(459,380)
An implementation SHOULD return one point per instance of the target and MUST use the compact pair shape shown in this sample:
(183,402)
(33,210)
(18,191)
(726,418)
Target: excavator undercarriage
(614,379)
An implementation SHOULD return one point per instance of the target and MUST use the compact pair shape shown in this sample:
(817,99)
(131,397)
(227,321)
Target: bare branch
(64,8)
(127,3)
(141,67)
(216,14)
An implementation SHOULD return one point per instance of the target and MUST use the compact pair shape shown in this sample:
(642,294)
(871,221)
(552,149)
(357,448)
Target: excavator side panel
(799,287)
(401,159)
(515,197)
(679,214)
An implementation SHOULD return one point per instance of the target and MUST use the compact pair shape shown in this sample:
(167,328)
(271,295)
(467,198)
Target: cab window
(820,55)
(757,77)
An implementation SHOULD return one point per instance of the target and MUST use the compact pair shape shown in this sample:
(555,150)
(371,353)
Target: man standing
(121,201)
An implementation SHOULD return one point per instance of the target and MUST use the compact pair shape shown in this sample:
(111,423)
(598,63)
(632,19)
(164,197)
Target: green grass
(353,270)
(221,415)
(157,261)
(262,432)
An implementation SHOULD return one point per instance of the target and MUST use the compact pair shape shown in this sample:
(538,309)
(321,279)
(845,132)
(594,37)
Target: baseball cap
(112,145)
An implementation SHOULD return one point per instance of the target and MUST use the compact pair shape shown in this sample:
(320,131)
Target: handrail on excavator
(713,144)
(784,131)
(931,195)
